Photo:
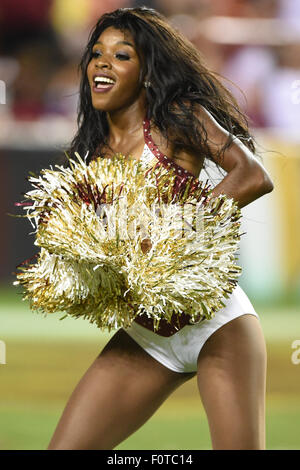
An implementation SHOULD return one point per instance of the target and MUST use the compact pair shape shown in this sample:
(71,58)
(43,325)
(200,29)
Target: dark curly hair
(180,81)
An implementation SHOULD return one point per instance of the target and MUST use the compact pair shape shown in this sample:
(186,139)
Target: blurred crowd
(253,44)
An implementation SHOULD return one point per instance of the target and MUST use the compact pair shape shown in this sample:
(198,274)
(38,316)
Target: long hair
(179,81)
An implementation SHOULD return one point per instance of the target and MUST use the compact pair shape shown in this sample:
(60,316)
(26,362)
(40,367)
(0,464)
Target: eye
(123,56)
(95,54)
(119,55)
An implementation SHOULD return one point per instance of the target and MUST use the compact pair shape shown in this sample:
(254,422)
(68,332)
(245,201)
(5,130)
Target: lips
(102,88)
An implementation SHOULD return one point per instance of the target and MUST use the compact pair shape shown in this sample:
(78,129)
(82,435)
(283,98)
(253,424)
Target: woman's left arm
(246,178)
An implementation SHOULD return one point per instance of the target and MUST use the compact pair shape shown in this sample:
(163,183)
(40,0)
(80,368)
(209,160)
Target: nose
(103,63)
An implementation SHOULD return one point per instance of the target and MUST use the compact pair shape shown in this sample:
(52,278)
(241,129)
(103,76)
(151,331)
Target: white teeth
(103,80)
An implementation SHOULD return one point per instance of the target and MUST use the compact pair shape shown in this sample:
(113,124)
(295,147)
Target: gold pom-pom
(116,242)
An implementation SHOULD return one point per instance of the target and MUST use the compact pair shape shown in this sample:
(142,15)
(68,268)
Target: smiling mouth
(101,84)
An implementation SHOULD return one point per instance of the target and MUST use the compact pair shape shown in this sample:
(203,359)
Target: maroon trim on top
(164,160)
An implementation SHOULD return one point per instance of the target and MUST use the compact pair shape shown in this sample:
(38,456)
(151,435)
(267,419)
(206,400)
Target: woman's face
(113,71)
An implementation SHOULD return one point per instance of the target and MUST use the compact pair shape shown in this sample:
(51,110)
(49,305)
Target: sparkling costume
(179,352)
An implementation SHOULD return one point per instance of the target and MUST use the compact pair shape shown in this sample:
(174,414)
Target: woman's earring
(147,84)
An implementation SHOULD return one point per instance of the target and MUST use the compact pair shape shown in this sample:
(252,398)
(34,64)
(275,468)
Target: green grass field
(45,359)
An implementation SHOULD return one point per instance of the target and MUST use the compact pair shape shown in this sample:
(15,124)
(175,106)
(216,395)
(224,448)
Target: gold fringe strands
(90,222)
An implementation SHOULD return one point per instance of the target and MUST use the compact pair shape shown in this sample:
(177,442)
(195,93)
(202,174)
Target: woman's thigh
(120,391)
(232,384)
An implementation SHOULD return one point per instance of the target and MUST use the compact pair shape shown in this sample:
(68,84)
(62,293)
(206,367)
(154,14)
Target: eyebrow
(120,42)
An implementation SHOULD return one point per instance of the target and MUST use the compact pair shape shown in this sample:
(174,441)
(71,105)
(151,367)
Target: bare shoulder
(237,154)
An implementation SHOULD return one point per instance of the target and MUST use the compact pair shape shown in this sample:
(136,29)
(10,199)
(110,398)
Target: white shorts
(180,351)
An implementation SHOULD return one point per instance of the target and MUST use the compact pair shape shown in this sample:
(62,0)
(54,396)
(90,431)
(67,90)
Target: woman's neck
(124,123)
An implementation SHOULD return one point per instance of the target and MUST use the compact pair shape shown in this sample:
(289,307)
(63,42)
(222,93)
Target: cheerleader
(146,92)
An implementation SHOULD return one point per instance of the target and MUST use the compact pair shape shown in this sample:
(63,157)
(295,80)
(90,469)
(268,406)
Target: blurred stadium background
(254,43)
